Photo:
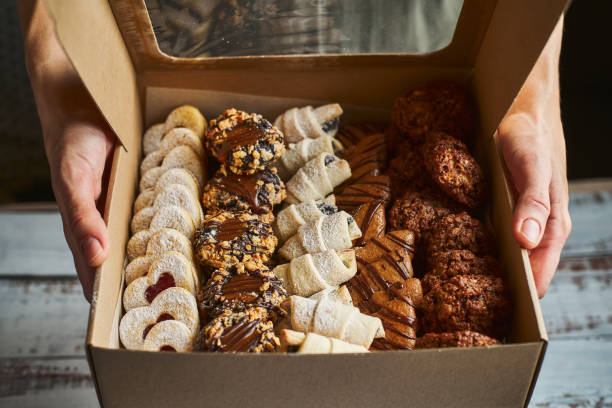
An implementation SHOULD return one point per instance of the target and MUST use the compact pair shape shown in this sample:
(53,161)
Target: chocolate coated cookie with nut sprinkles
(238,289)
(256,193)
(247,331)
(244,143)
(226,239)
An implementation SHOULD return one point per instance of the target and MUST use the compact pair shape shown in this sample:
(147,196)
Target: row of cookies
(161,276)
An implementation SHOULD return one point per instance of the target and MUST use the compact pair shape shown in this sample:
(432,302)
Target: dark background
(586,102)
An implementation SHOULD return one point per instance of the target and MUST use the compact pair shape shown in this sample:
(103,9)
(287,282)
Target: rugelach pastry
(317,178)
(290,219)
(306,122)
(351,195)
(333,319)
(254,193)
(312,343)
(368,157)
(351,135)
(237,290)
(226,239)
(438,106)
(298,154)
(465,338)
(460,231)
(243,143)
(335,231)
(370,217)
(247,331)
(340,295)
(454,170)
(312,273)
(171,304)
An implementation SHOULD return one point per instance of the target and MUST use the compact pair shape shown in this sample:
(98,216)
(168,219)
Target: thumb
(530,167)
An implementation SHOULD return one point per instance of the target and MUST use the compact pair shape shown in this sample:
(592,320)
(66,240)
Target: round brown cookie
(416,212)
(454,170)
(256,193)
(462,262)
(247,331)
(465,338)
(460,231)
(467,302)
(438,106)
(237,290)
(244,143)
(226,239)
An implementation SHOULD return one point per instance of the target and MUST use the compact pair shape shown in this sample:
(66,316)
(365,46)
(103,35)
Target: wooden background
(44,314)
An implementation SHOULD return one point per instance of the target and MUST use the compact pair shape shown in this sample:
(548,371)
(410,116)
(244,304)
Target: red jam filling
(165,281)
(161,318)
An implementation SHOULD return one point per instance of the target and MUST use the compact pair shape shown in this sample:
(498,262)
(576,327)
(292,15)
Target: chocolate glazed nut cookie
(467,302)
(460,231)
(464,338)
(237,290)
(454,170)
(226,239)
(439,106)
(247,331)
(244,143)
(256,193)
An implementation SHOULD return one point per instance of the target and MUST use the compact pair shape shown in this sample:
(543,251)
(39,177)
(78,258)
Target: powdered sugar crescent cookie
(300,123)
(181,137)
(151,160)
(172,304)
(166,240)
(169,335)
(144,199)
(179,195)
(153,137)
(174,217)
(171,269)
(149,179)
(185,158)
(317,178)
(137,245)
(142,219)
(178,176)
(189,117)
(290,219)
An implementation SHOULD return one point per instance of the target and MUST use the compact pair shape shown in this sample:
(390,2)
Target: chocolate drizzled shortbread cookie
(368,157)
(460,231)
(467,302)
(237,290)
(226,239)
(351,135)
(247,331)
(401,241)
(350,196)
(454,170)
(371,220)
(439,106)
(465,338)
(244,143)
(255,193)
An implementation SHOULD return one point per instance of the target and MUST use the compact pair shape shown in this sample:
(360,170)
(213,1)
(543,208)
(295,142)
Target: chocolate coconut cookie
(244,143)
(454,170)
(255,193)
(460,231)
(247,331)
(439,106)
(467,302)
(465,338)
(227,239)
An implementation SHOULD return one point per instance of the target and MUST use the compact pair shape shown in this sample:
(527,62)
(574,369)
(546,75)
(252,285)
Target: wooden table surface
(44,315)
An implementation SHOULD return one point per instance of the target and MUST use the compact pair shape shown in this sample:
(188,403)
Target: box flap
(88,33)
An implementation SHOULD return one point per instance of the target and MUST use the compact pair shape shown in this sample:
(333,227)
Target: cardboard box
(112,46)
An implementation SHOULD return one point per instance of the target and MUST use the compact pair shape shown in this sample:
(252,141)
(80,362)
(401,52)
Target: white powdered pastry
(172,263)
(166,240)
(189,117)
(312,343)
(174,217)
(333,319)
(290,219)
(151,160)
(137,245)
(312,273)
(340,295)
(178,176)
(306,122)
(152,137)
(179,195)
(144,199)
(181,137)
(300,153)
(176,302)
(317,178)
(142,219)
(336,231)
(137,267)
(184,158)
(149,179)
(169,334)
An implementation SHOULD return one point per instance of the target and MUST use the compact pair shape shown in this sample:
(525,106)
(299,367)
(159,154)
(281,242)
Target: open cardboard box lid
(113,48)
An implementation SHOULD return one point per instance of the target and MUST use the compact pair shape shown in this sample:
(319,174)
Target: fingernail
(531,230)
(92,248)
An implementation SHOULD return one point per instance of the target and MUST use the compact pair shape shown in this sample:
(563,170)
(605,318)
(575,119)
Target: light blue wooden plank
(591,214)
